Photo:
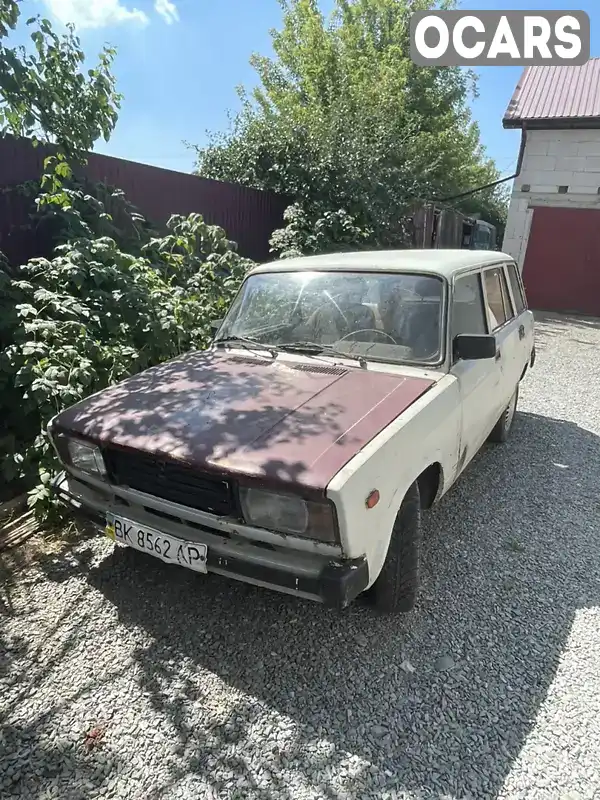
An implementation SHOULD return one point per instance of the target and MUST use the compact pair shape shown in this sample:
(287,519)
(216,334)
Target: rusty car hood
(283,422)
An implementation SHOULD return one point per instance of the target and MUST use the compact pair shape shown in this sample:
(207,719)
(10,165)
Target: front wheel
(502,428)
(397,584)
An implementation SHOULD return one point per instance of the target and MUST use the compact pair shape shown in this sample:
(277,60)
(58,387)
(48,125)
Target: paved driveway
(192,688)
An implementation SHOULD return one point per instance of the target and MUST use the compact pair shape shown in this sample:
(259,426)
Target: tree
(342,120)
(44,92)
(46,95)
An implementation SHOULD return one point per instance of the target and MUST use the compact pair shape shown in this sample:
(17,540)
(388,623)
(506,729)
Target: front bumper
(329,579)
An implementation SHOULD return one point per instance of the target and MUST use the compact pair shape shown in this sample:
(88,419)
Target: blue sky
(179,62)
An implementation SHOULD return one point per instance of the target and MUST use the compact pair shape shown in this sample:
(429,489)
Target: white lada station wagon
(341,396)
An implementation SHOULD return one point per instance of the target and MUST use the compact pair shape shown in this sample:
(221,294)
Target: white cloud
(96,13)
(167,10)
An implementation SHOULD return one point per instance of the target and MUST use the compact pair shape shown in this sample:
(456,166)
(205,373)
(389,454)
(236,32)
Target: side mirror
(215,325)
(474,346)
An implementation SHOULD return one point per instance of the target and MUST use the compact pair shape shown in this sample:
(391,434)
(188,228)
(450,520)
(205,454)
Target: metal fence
(248,216)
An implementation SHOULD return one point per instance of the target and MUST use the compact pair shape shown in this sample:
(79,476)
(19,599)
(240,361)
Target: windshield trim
(413,272)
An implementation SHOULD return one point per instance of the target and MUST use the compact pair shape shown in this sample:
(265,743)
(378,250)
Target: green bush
(306,234)
(93,315)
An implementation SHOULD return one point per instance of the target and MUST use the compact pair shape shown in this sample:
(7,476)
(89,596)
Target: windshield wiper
(310,348)
(301,347)
(247,342)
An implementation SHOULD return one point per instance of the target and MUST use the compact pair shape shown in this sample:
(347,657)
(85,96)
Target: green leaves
(9,14)
(26,310)
(306,234)
(45,93)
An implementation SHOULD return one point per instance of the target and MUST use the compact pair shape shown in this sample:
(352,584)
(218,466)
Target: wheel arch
(430,483)
(430,480)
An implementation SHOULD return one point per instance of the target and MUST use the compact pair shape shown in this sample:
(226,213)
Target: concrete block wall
(552,158)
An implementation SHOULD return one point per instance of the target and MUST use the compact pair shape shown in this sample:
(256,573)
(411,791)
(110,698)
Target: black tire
(504,425)
(397,584)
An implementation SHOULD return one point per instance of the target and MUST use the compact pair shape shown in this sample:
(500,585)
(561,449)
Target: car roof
(437,262)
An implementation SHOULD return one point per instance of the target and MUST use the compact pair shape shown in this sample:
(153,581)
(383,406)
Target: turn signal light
(372,499)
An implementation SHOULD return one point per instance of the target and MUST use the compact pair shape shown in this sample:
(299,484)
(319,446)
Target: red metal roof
(556,94)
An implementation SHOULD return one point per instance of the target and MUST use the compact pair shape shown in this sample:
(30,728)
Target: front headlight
(287,513)
(86,457)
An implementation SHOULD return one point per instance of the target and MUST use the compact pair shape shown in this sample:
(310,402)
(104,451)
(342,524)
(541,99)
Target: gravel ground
(152,683)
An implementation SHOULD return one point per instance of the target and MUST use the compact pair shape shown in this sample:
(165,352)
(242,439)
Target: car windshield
(393,317)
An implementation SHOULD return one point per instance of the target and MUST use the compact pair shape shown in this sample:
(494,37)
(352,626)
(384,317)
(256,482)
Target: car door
(525,321)
(503,323)
(479,380)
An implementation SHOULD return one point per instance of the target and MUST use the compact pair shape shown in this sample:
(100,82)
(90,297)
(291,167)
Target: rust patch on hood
(286,424)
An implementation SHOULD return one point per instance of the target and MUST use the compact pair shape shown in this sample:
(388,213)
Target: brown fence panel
(19,241)
(248,216)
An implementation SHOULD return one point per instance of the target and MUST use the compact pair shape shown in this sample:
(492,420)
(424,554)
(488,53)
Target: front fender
(427,433)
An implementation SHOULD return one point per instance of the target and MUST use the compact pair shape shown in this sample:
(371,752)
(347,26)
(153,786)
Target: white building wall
(552,158)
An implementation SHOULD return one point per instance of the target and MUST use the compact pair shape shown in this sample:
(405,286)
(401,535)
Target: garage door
(562,263)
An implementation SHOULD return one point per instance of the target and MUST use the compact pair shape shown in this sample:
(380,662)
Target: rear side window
(468,315)
(498,301)
(517,289)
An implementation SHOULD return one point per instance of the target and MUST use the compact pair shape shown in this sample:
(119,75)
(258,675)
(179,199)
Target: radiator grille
(170,481)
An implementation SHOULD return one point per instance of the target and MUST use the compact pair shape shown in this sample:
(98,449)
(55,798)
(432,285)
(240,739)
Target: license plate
(169,549)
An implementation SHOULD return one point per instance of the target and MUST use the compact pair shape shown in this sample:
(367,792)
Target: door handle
(498,355)
(521,331)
